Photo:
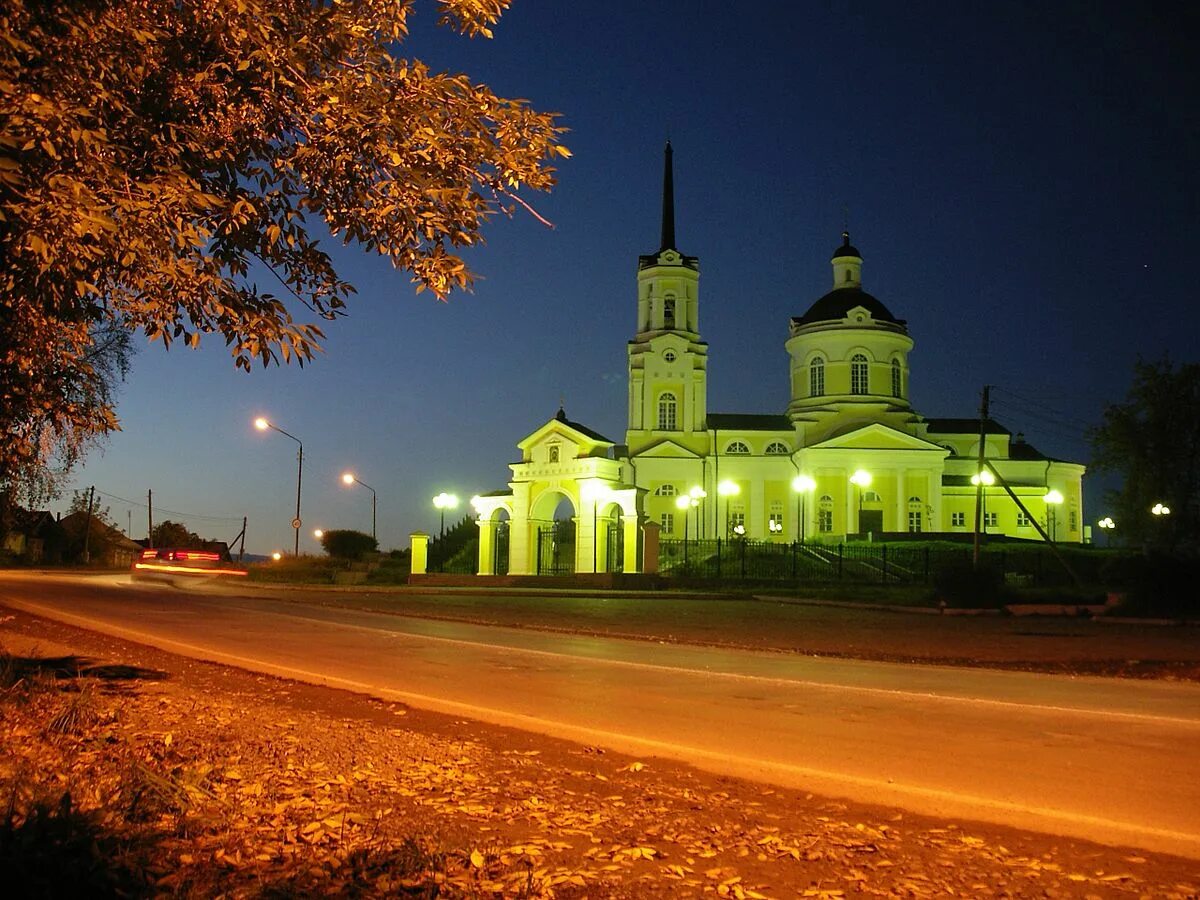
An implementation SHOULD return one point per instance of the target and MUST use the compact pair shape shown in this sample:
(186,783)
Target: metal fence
(865,563)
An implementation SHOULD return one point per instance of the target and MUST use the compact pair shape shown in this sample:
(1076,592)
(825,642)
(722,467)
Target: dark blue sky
(1020,178)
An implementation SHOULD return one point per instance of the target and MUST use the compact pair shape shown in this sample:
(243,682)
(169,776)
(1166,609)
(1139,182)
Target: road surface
(1104,759)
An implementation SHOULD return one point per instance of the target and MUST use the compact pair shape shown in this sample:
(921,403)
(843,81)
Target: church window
(775,519)
(858,374)
(554,454)
(958,520)
(669,356)
(737,448)
(666,413)
(915,509)
(1022,520)
(847,278)
(665,490)
(737,520)
(816,378)
(991,520)
(669,312)
(896,378)
(825,514)
(777,448)
(667,521)
(1072,521)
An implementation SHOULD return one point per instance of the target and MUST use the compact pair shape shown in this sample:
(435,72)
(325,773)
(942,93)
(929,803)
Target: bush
(1156,585)
(963,586)
(346,544)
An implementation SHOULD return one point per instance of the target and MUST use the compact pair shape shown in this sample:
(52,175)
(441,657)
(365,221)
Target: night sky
(1021,179)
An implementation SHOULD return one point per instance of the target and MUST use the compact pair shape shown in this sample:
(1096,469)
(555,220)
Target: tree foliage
(175,534)
(159,157)
(1152,440)
(347,544)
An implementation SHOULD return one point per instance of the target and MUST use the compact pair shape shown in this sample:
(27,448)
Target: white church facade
(849,458)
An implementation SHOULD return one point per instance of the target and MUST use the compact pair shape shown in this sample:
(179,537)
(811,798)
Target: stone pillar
(485,564)
(902,502)
(419,541)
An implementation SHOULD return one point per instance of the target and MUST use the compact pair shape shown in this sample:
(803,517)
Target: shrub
(1156,585)
(347,544)
(963,586)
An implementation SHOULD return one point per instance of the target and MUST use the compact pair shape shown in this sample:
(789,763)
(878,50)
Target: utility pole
(983,416)
(87,530)
(149,518)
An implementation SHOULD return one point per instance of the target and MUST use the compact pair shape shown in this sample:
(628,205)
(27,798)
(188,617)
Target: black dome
(845,249)
(837,303)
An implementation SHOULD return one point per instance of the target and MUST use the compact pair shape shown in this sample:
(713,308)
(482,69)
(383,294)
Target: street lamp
(351,478)
(262,425)
(1053,499)
(1107,525)
(862,478)
(802,485)
(985,479)
(277,556)
(1160,509)
(728,489)
(684,504)
(697,494)
(443,502)
(318,533)
(596,494)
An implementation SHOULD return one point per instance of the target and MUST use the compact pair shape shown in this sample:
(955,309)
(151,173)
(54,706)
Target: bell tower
(668,362)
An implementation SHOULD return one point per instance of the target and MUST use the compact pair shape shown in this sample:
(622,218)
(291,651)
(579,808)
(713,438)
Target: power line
(1057,413)
(141,504)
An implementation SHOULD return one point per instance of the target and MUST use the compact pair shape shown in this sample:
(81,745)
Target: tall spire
(668,209)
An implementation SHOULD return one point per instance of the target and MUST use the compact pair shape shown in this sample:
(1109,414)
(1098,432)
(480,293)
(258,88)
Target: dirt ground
(135,772)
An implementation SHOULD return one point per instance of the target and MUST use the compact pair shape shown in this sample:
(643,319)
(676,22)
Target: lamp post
(262,425)
(684,504)
(1160,509)
(728,489)
(595,493)
(1053,498)
(697,494)
(318,533)
(443,502)
(862,478)
(1107,525)
(802,485)
(351,478)
(986,479)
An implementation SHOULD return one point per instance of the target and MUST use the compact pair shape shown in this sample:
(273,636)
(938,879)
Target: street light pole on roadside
(351,478)
(263,424)
(1053,499)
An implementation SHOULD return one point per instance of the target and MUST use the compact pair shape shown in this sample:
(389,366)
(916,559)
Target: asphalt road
(1105,759)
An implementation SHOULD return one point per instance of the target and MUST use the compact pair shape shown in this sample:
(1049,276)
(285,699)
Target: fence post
(795,553)
(883,547)
(718,557)
(742,552)
(926,578)
(839,562)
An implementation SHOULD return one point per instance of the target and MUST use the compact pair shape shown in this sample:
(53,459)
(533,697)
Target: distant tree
(1152,440)
(173,534)
(101,514)
(157,157)
(346,544)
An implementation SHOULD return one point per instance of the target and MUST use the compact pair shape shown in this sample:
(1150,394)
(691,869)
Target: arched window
(737,448)
(825,514)
(896,378)
(554,454)
(858,374)
(777,448)
(665,490)
(915,508)
(669,312)
(666,413)
(816,377)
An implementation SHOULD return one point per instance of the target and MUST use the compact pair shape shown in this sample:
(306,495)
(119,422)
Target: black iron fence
(894,563)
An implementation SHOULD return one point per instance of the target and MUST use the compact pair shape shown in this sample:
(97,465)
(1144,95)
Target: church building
(849,459)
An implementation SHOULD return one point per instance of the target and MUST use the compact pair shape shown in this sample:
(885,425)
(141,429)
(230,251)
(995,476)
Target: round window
(669,356)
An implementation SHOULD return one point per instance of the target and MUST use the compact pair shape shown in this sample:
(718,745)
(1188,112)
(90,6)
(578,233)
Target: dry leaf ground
(128,771)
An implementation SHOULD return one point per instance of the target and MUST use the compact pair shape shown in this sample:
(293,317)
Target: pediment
(876,437)
(558,431)
(667,449)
